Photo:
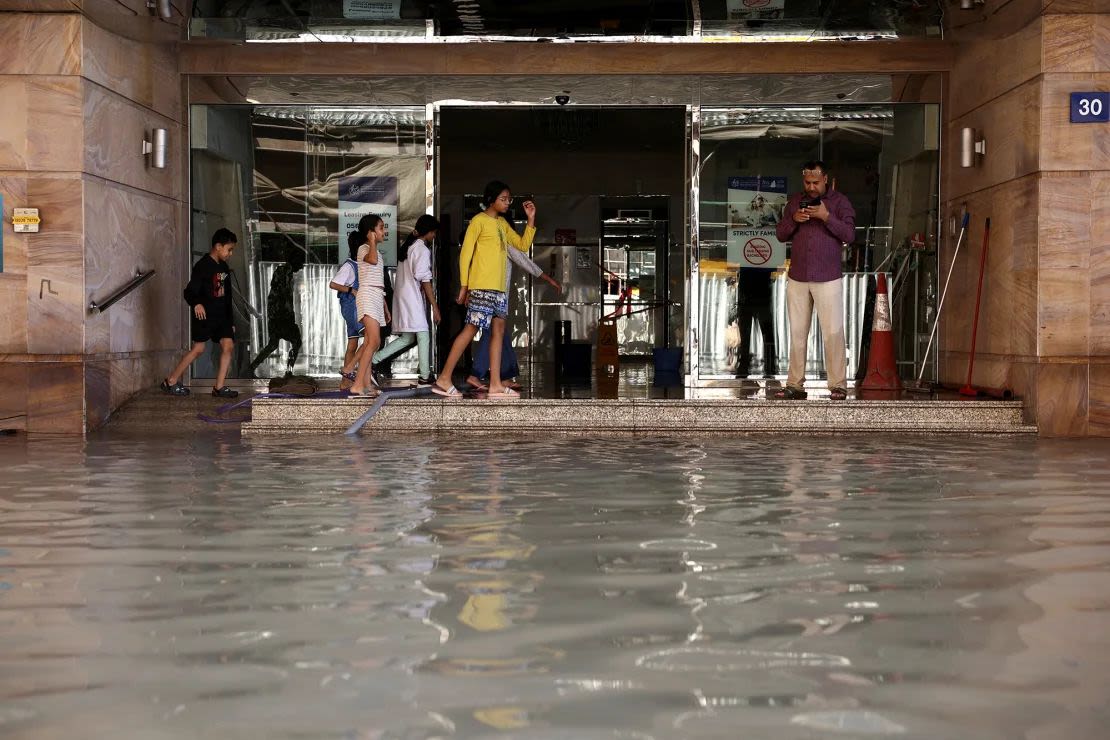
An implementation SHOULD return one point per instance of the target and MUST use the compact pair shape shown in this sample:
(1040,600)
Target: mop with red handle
(968,389)
(920,386)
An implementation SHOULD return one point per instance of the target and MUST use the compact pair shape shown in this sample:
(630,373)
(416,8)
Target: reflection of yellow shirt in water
(485,612)
(482,261)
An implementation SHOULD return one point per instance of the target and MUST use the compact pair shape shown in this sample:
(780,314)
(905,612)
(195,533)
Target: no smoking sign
(757,251)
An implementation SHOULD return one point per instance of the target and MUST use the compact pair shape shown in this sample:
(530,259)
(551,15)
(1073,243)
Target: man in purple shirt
(819,222)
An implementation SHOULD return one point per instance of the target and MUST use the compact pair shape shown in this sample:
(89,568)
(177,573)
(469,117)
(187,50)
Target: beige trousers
(828,298)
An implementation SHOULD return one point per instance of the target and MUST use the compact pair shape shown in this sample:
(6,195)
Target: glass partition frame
(699,375)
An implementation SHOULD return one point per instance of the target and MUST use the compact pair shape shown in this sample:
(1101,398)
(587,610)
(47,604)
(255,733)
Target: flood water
(763,587)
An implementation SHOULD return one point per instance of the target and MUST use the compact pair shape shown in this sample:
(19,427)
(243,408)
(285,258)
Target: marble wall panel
(129,8)
(1011,126)
(97,394)
(994,371)
(526,57)
(1008,311)
(1064,314)
(55,287)
(143,72)
(125,380)
(1100,264)
(1066,145)
(41,6)
(126,230)
(40,43)
(1062,399)
(1099,413)
(13,313)
(1064,220)
(14,377)
(972,86)
(56,398)
(14,190)
(13,123)
(55,124)
(1077,43)
(115,127)
(1076,6)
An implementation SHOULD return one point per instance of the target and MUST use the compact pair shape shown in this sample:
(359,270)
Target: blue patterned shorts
(482,306)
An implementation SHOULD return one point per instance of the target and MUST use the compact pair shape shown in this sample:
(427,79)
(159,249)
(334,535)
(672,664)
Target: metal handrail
(140,278)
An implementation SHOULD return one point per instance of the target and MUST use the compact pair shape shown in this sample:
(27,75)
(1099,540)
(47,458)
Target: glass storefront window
(883,157)
(301,177)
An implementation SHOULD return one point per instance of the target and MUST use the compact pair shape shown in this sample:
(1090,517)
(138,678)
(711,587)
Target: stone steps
(728,415)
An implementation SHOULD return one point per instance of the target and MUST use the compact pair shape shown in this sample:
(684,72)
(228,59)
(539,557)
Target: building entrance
(609,186)
(656,219)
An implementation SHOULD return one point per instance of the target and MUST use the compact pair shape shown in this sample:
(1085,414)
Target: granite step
(307,415)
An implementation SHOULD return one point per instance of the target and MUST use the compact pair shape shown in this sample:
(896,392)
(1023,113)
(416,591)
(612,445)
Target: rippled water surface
(321,587)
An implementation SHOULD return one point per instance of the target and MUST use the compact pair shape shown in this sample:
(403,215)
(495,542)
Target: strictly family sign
(755,205)
(359,196)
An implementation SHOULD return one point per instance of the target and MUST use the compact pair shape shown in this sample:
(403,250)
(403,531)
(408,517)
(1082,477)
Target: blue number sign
(1090,107)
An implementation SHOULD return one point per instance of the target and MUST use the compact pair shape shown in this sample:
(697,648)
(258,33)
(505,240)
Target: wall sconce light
(972,147)
(971,4)
(154,149)
(160,7)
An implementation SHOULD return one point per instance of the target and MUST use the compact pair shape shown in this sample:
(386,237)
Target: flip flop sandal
(451,392)
(508,393)
(478,387)
(790,394)
(838,394)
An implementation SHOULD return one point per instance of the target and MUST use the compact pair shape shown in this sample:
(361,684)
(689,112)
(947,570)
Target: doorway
(610,189)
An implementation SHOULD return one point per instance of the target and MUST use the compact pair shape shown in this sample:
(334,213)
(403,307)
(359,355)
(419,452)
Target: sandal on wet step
(451,392)
(789,393)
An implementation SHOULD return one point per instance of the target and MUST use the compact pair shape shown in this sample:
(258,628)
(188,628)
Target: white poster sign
(752,10)
(359,196)
(375,10)
(755,205)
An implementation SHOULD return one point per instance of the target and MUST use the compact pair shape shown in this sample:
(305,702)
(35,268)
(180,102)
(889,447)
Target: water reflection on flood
(562,588)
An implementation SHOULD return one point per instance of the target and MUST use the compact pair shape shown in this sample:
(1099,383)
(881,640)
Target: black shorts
(207,330)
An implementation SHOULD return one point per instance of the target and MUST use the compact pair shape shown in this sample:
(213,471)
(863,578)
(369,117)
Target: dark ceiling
(597,18)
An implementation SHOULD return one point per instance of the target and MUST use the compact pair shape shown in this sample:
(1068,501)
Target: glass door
(883,157)
(315,171)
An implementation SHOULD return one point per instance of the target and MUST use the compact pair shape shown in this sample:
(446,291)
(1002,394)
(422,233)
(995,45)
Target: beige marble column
(79,99)
(1043,325)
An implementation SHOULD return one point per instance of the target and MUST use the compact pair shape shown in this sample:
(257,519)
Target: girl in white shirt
(370,298)
(414,286)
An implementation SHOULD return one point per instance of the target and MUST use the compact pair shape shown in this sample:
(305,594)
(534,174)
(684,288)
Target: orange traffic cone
(882,374)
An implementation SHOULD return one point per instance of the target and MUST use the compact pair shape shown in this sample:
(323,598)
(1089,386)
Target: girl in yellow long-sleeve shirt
(482,273)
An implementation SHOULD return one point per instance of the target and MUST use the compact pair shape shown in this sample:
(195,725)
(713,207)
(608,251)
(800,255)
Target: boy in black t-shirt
(209,295)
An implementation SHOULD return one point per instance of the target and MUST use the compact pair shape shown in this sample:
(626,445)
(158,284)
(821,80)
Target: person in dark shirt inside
(817,222)
(753,294)
(209,295)
(281,323)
